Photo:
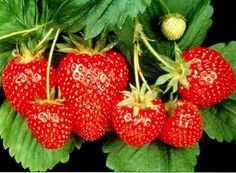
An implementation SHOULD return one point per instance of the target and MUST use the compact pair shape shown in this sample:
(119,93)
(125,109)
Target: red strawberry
(138,129)
(212,78)
(23,81)
(105,74)
(92,115)
(51,123)
(184,127)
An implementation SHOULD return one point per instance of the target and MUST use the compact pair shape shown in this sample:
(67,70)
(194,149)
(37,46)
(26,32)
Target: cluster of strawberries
(209,79)
(91,84)
(87,83)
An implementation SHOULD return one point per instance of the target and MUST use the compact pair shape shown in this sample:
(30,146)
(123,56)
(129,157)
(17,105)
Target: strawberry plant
(132,80)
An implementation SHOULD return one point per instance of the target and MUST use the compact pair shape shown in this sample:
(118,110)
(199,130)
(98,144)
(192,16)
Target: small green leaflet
(153,157)
(24,147)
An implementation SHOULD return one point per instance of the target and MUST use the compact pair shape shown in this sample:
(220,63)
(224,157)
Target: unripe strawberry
(173,26)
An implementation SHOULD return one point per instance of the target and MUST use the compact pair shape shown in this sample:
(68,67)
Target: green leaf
(153,157)
(16,15)
(107,15)
(64,13)
(233,96)
(24,147)
(125,35)
(198,14)
(228,51)
(198,21)
(220,121)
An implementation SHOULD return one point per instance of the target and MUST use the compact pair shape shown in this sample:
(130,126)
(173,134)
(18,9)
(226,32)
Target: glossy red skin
(105,74)
(92,81)
(23,82)
(212,78)
(51,124)
(120,77)
(92,117)
(137,130)
(184,127)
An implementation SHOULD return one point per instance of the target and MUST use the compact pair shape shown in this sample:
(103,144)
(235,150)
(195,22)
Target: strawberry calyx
(171,105)
(138,99)
(172,15)
(32,50)
(79,45)
(51,101)
(177,75)
(25,56)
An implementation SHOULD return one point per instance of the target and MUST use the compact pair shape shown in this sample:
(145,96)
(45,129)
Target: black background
(214,156)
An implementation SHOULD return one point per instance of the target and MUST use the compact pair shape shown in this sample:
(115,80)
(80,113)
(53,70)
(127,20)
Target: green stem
(138,29)
(26,31)
(44,39)
(136,64)
(153,51)
(143,78)
(49,65)
(164,6)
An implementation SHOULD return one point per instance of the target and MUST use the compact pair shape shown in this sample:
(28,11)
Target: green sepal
(74,43)
(176,75)
(175,15)
(163,79)
(77,141)
(78,44)
(138,99)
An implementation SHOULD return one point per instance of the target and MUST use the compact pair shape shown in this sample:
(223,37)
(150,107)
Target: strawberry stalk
(25,31)
(40,44)
(164,6)
(49,64)
(137,51)
(139,34)
(177,70)
(137,69)
(136,64)
(154,52)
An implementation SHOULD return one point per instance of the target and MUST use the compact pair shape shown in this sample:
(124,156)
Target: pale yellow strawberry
(173,26)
